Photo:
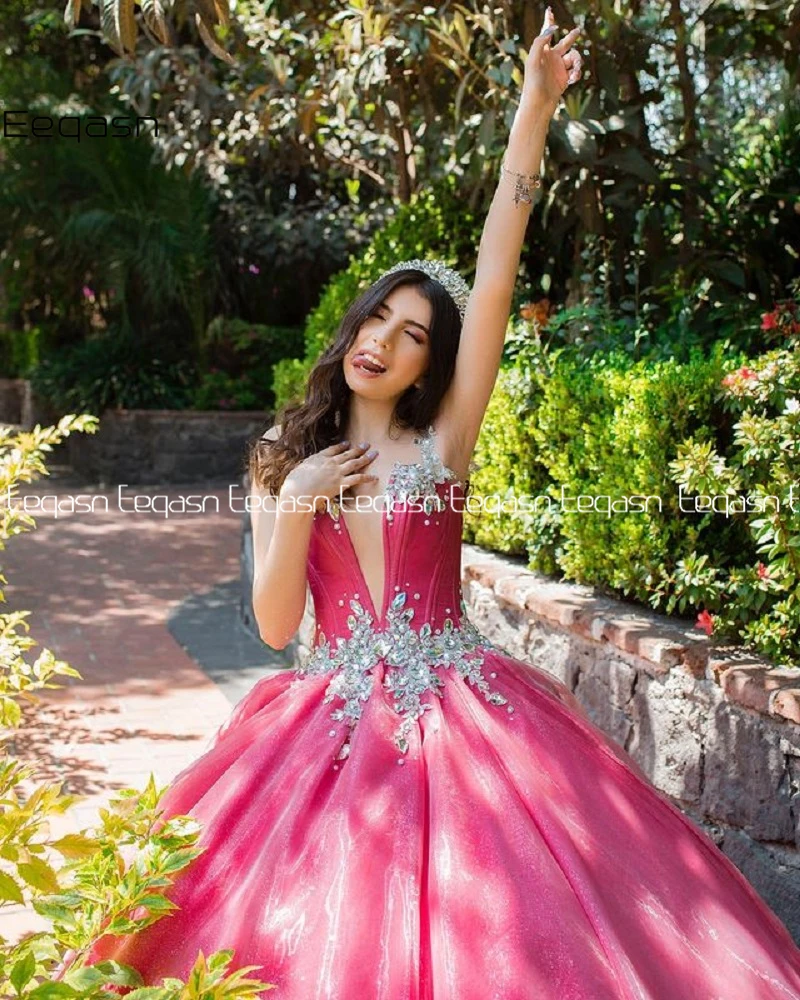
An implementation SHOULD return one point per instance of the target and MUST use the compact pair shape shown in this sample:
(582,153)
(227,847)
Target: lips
(368,364)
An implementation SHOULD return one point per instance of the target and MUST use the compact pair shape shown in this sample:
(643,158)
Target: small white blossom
(792,406)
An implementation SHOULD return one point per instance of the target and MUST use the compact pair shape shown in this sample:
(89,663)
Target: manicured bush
(603,428)
(712,439)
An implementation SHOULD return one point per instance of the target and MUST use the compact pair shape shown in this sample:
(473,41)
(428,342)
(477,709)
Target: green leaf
(52,991)
(631,161)
(22,972)
(75,845)
(728,270)
(9,889)
(39,874)
(106,971)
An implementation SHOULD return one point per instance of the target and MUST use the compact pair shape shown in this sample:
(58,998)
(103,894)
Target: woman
(413,813)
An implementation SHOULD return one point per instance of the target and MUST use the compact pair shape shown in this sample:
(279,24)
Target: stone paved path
(145,607)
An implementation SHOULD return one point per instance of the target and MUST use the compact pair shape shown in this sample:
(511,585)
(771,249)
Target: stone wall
(20,405)
(12,391)
(166,446)
(717,729)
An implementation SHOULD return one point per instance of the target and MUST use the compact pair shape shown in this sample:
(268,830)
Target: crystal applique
(412,658)
(410,480)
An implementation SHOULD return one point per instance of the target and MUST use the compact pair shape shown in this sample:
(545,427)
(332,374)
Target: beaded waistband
(411,656)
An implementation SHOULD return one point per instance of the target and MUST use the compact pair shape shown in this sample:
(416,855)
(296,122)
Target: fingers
(356,457)
(344,448)
(571,57)
(353,478)
(574,62)
(548,29)
(543,40)
(567,40)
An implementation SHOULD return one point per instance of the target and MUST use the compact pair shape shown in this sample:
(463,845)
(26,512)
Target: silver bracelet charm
(523,185)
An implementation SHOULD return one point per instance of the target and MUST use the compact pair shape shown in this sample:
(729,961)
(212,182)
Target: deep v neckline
(425,437)
(395,467)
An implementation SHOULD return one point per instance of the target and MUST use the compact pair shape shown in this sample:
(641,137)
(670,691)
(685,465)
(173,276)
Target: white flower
(792,406)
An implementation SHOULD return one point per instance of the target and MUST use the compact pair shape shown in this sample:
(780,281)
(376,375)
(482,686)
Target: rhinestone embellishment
(410,480)
(412,659)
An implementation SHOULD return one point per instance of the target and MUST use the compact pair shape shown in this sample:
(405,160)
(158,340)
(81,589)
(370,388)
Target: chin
(366,391)
(368,388)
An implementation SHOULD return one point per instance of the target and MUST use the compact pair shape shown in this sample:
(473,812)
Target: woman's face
(396,336)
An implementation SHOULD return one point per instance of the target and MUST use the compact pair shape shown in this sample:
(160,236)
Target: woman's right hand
(326,472)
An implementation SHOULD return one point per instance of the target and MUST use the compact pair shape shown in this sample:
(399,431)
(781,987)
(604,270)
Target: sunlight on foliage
(107,879)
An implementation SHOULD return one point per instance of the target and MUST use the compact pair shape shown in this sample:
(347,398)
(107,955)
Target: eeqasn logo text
(23,124)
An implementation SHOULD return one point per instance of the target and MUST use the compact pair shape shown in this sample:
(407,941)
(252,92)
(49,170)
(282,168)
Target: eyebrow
(413,322)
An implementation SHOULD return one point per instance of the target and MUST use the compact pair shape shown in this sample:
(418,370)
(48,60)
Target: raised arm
(548,72)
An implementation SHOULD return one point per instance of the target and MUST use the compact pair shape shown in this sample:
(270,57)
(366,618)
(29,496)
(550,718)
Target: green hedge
(606,426)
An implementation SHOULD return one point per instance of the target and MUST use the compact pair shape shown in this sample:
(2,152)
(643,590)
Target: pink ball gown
(413,814)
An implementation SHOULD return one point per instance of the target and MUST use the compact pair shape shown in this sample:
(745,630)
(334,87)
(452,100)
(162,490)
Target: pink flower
(87,292)
(705,621)
(742,373)
(254,269)
(769,321)
(762,571)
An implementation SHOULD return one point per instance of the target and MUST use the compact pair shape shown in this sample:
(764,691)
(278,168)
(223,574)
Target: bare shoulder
(269,435)
(272,434)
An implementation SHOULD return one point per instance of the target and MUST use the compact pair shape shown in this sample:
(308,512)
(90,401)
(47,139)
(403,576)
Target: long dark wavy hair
(315,423)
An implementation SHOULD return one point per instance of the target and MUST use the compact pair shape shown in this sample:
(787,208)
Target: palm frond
(155,18)
(108,24)
(120,29)
(125,24)
(73,13)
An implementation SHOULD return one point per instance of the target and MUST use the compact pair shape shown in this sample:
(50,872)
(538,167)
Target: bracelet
(523,184)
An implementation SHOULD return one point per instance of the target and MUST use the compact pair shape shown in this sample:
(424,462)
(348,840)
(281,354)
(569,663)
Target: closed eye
(415,337)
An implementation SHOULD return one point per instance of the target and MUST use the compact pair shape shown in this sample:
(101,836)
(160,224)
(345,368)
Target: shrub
(109,371)
(753,482)
(603,427)
(716,425)
(239,359)
(81,883)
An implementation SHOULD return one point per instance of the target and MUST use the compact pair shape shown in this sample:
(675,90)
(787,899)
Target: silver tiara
(446,276)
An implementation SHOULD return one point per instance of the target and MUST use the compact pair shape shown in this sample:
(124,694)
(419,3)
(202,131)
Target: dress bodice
(421,528)
(422,624)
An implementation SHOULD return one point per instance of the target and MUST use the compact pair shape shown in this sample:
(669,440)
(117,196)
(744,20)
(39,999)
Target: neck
(370,420)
